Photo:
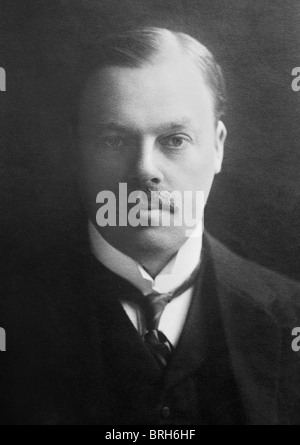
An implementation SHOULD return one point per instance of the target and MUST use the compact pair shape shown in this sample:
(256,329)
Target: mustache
(162,197)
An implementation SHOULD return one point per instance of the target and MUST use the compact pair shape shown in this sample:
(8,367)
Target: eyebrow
(117,126)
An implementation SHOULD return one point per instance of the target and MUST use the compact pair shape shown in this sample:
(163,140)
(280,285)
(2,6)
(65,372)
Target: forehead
(147,96)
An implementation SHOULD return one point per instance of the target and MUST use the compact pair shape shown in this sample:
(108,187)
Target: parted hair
(134,48)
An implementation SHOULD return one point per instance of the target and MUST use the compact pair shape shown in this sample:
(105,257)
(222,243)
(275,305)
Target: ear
(221,134)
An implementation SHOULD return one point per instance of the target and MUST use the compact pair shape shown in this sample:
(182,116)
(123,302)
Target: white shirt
(178,270)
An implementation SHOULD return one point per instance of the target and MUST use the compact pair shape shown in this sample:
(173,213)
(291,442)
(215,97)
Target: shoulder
(276,294)
(41,294)
(47,269)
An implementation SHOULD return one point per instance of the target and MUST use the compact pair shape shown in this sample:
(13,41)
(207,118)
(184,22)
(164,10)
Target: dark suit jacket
(73,356)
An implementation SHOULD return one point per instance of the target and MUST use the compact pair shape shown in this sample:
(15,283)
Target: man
(152,323)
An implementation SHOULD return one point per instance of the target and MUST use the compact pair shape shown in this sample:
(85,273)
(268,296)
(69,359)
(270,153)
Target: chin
(141,240)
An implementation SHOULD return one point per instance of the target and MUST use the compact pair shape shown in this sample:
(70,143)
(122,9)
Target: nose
(146,165)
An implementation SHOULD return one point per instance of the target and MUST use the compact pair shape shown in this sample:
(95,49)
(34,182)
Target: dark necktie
(153,307)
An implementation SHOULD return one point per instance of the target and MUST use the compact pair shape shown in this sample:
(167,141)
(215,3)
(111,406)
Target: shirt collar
(171,277)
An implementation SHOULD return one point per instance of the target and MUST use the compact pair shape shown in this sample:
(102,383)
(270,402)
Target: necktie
(153,307)
(159,346)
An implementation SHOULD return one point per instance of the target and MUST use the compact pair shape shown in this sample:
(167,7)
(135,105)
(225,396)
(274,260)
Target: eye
(114,142)
(176,141)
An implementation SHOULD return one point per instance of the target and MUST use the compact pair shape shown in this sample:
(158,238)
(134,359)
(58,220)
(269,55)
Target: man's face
(148,127)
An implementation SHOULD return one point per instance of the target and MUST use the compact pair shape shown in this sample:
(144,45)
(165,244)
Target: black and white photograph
(149,215)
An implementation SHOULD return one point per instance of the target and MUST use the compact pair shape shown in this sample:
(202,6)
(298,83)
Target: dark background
(255,204)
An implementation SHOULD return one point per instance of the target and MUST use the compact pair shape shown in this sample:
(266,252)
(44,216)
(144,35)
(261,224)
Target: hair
(136,47)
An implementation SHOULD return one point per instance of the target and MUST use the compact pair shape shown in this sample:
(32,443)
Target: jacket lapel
(254,342)
(203,354)
(255,347)
(190,353)
(130,369)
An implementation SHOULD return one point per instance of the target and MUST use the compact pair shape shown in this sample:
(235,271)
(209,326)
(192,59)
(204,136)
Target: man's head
(150,115)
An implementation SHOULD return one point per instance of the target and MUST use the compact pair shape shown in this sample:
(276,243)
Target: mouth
(157,207)
(157,201)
